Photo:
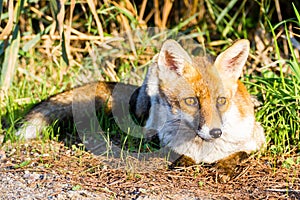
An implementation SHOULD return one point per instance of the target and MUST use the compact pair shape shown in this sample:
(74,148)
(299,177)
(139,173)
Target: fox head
(191,96)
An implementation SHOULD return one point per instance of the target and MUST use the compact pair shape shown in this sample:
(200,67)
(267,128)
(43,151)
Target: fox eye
(221,101)
(191,101)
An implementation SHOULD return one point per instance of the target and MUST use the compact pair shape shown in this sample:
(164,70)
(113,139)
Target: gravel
(32,185)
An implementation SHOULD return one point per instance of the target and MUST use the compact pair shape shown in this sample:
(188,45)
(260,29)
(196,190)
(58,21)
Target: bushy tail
(98,94)
(44,114)
(59,107)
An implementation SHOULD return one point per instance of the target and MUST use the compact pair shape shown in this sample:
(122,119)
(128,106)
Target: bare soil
(49,170)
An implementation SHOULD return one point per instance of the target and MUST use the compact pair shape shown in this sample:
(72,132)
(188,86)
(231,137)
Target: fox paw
(227,168)
(182,161)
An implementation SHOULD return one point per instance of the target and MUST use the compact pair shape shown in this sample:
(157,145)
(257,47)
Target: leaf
(10,60)
(64,49)
(31,43)
(23,164)
(296,12)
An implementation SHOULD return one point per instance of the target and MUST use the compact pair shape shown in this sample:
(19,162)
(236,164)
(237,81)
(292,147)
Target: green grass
(279,92)
(33,69)
(279,113)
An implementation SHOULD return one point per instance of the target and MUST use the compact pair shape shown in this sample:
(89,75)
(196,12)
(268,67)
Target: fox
(196,105)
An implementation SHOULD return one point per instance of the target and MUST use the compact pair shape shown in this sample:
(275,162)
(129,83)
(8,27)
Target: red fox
(197,106)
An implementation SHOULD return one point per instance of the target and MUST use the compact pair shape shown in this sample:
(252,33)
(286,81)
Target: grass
(280,113)
(39,60)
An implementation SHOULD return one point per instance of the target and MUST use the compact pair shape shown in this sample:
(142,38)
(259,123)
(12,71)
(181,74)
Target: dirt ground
(49,170)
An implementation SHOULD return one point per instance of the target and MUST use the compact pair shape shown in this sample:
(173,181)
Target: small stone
(2,156)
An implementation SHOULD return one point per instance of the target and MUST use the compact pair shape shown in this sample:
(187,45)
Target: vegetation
(49,46)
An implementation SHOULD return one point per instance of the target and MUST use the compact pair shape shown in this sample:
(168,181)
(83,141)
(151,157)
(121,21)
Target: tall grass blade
(58,12)
(231,22)
(9,26)
(11,52)
(68,30)
(277,51)
(226,10)
(31,43)
(1,6)
(182,24)
(296,68)
(210,9)
(296,12)
(19,8)
(166,11)
(294,64)
(10,60)
(96,17)
(54,7)
(64,46)
(126,12)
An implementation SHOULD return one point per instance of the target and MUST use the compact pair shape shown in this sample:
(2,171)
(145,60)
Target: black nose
(215,132)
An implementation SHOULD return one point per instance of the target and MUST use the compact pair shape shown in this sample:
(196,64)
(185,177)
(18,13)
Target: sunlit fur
(184,128)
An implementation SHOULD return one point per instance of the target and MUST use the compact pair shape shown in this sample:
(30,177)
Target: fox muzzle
(208,134)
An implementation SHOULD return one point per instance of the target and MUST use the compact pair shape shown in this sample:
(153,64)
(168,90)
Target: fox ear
(173,57)
(230,63)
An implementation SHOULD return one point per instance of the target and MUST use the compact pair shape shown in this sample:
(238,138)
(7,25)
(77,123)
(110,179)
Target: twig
(282,190)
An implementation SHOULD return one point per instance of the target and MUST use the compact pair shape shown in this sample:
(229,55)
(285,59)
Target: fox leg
(182,161)
(227,166)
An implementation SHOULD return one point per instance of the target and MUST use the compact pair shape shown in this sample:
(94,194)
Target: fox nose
(215,132)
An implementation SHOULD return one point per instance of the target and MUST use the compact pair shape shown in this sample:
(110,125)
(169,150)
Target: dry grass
(255,178)
(65,32)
